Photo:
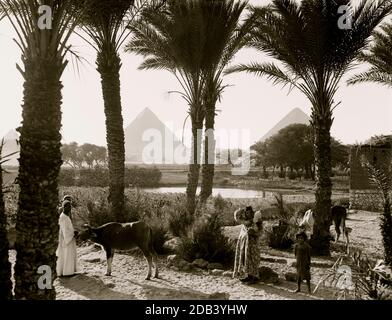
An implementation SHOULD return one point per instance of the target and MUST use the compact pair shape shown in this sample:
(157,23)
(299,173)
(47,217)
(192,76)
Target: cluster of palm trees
(196,41)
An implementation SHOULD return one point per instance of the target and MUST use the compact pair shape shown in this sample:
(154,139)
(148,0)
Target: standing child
(302,255)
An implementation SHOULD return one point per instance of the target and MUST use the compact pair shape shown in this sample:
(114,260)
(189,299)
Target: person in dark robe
(302,255)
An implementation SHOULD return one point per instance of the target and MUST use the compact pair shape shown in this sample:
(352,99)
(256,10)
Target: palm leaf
(372,75)
(270,70)
(379,57)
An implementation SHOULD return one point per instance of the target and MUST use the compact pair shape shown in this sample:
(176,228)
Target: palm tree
(314,53)
(5,266)
(174,39)
(105,24)
(43,57)
(379,56)
(226,36)
(381,176)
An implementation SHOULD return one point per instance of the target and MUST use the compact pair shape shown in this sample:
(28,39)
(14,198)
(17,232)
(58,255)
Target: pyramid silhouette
(294,116)
(142,131)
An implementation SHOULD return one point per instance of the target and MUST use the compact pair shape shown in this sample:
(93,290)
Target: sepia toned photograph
(217,151)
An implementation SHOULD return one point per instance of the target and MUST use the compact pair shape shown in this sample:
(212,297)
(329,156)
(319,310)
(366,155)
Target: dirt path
(127,282)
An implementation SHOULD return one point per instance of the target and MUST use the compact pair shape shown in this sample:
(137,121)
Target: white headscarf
(257,217)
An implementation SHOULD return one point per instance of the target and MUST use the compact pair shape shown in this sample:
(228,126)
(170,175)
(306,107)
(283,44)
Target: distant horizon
(248,103)
(178,138)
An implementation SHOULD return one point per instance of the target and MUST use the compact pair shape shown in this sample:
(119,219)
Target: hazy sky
(250,102)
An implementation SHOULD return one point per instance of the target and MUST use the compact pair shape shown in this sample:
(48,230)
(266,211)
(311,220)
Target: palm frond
(49,44)
(372,75)
(106,23)
(379,57)
(270,70)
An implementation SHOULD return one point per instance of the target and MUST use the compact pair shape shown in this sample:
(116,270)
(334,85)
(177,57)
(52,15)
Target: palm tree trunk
(386,230)
(109,65)
(39,167)
(322,122)
(194,166)
(5,266)
(208,167)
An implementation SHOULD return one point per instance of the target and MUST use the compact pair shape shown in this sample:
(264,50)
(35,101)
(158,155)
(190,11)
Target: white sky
(250,103)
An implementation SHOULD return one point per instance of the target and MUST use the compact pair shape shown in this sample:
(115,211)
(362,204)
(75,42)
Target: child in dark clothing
(302,254)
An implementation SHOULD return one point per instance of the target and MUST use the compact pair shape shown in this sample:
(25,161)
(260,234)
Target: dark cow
(123,236)
(339,216)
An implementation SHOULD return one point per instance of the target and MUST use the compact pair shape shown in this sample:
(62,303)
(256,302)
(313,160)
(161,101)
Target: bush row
(99,177)
(201,235)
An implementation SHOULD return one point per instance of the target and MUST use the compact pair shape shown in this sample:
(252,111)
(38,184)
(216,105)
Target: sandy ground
(127,280)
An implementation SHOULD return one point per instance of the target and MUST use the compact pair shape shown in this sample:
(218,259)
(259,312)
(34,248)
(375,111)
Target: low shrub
(179,221)
(142,177)
(97,177)
(67,177)
(205,240)
(98,212)
(282,236)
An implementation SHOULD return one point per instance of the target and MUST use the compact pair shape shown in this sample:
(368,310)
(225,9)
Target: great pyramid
(11,146)
(294,116)
(138,140)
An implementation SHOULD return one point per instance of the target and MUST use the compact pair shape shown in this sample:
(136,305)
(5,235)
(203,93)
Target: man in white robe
(66,251)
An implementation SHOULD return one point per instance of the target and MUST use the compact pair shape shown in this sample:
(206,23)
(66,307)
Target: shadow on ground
(92,287)
(157,289)
(286,290)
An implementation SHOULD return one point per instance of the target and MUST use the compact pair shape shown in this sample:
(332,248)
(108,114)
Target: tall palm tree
(380,175)
(379,56)
(43,59)
(314,53)
(5,266)
(174,39)
(226,37)
(104,22)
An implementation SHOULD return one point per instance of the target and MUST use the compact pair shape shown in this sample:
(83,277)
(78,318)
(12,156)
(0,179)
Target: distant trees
(87,154)
(293,148)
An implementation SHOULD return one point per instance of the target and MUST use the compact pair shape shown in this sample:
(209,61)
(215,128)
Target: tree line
(292,147)
(78,156)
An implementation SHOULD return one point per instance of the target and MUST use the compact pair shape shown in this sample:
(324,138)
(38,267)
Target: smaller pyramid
(294,116)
